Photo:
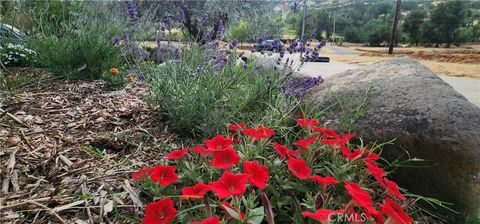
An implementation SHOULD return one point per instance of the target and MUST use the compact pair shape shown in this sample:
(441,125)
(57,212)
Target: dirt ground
(459,62)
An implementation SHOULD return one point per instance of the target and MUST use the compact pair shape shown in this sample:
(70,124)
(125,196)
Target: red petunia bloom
(236,127)
(394,211)
(224,205)
(360,197)
(141,174)
(295,153)
(281,150)
(194,192)
(159,212)
(375,171)
(211,220)
(225,159)
(326,132)
(299,168)
(164,175)
(259,133)
(202,150)
(324,181)
(219,143)
(322,215)
(257,174)
(229,184)
(393,190)
(305,143)
(177,154)
(307,123)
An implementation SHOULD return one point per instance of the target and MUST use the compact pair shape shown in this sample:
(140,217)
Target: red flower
(321,215)
(228,217)
(281,150)
(371,155)
(194,192)
(219,143)
(295,153)
(393,210)
(323,180)
(177,154)
(375,171)
(305,143)
(326,132)
(211,220)
(164,175)
(225,159)
(141,174)
(257,175)
(299,168)
(236,127)
(356,154)
(202,150)
(259,133)
(159,212)
(308,123)
(229,184)
(360,197)
(393,190)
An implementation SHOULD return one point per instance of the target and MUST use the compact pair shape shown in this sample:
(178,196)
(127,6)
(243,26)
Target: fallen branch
(52,212)
(13,118)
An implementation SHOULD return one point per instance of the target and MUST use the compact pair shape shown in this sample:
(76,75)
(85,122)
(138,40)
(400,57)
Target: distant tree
(264,26)
(378,31)
(354,34)
(429,33)
(411,26)
(240,32)
(447,18)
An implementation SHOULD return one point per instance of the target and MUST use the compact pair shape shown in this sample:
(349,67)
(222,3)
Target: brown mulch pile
(68,148)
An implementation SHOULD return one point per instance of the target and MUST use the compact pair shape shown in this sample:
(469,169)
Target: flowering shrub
(206,89)
(252,177)
(16,55)
(116,79)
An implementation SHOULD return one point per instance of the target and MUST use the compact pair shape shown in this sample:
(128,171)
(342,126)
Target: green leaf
(232,213)
(256,215)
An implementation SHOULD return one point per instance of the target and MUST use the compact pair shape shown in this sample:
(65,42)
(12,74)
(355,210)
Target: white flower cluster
(15,54)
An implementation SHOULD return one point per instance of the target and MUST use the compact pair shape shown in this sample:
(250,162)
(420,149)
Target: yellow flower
(114,70)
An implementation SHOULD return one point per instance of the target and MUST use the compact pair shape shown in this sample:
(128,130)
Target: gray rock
(269,62)
(425,115)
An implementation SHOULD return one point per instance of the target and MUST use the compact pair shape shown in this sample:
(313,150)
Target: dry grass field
(460,62)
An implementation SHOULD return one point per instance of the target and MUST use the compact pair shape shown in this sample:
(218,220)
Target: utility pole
(333,34)
(394,27)
(303,24)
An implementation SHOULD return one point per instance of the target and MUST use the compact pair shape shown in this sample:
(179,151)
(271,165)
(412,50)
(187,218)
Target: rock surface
(426,116)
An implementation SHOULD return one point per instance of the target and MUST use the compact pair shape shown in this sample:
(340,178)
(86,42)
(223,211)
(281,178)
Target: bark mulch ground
(68,148)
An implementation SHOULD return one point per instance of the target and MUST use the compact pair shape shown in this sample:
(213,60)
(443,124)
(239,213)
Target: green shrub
(89,50)
(198,98)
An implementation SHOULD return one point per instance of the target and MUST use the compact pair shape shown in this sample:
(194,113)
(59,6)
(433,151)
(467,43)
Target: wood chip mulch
(67,151)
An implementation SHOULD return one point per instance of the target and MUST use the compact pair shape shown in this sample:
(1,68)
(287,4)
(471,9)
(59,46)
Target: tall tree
(411,25)
(447,17)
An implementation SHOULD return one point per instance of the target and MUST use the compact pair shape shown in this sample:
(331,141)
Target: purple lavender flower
(282,52)
(259,39)
(245,65)
(181,15)
(314,33)
(220,29)
(299,87)
(234,44)
(132,10)
(204,17)
(168,22)
(116,40)
(126,39)
(176,54)
(158,38)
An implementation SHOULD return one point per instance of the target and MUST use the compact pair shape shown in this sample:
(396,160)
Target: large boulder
(426,116)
